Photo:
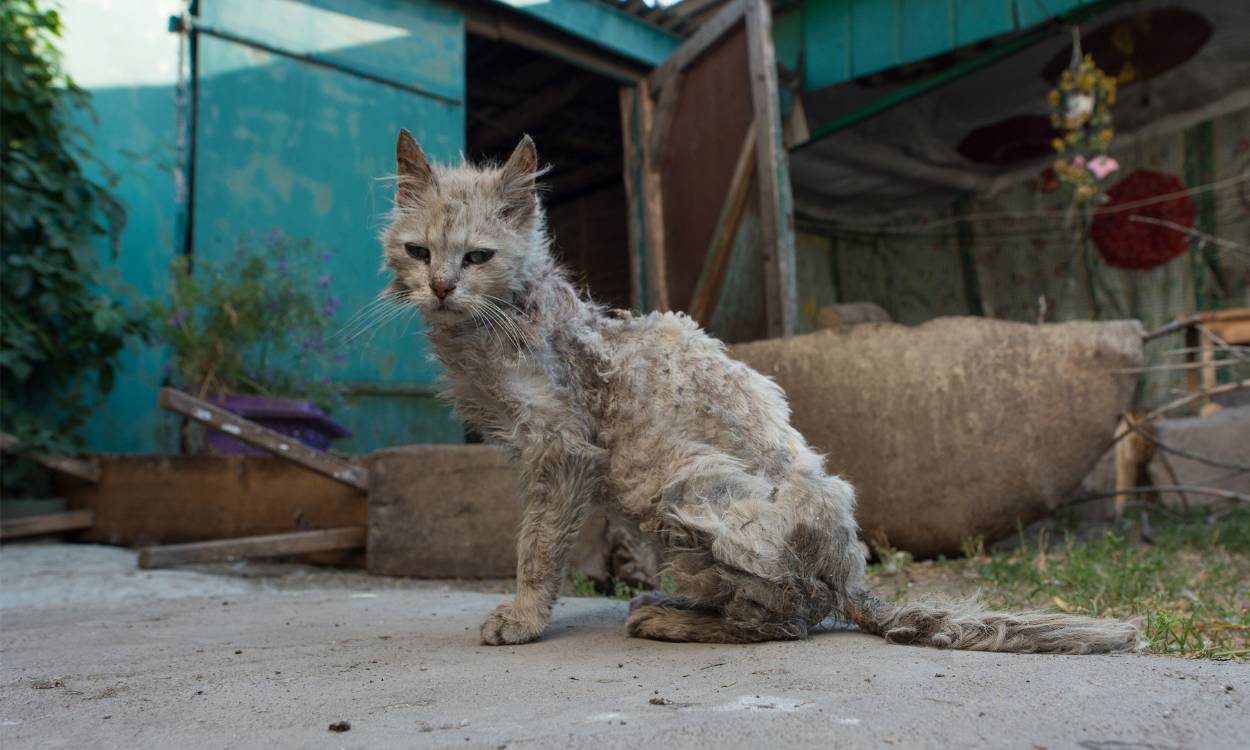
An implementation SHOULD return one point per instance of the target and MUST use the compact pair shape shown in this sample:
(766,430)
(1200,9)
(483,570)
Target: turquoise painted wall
(840,40)
(285,144)
(281,143)
(292,133)
(124,54)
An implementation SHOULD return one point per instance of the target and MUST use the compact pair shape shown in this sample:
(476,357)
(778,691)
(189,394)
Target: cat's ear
(517,180)
(415,175)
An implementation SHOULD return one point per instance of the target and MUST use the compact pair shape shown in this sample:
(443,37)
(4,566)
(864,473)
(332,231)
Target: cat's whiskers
(372,322)
(379,319)
(411,317)
(510,326)
(484,323)
(510,304)
(371,308)
(492,314)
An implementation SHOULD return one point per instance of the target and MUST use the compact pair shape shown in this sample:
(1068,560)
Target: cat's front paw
(505,626)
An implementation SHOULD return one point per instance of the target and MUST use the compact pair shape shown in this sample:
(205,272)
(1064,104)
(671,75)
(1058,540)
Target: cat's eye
(417,252)
(477,257)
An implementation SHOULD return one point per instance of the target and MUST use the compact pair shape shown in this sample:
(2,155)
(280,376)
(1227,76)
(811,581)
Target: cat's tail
(966,625)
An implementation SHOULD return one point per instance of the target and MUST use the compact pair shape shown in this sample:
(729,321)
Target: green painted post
(1204,260)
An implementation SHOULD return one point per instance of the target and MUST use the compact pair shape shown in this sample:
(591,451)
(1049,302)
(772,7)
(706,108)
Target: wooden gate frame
(647,111)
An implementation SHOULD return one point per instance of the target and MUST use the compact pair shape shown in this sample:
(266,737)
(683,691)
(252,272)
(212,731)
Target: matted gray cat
(649,414)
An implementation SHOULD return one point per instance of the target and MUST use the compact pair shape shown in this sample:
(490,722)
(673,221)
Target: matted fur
(649,414)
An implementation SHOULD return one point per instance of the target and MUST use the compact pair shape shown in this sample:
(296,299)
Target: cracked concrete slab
(259,665)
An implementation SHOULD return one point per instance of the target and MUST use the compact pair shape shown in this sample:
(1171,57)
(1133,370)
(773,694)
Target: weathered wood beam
(47,523)
(74,467)
(653,205)
(716,262)
(665,112)
(217,418)
(270,545)
(536,36)
(776,219)
(632,167)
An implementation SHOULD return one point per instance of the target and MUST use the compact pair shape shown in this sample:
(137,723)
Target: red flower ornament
(1156,239)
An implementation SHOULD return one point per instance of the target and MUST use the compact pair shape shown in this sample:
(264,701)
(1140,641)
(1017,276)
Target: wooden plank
(653,206)
(536,36)
(74,467)
(336,468)
(707,290)
(599,24)
(1231,331)
(776,219)
(47,523)
(163,499)
(665,109)
(707,35)
(270,545)
(632,170)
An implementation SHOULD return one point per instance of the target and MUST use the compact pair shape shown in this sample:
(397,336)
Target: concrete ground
(94,653)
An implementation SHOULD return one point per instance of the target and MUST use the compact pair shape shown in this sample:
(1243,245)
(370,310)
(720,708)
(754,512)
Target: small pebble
(340,726)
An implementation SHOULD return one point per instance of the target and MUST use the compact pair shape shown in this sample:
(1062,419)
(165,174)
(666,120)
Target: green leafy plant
(256,323)
(62,325)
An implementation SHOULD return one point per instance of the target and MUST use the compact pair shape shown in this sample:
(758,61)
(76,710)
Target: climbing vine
(61,325)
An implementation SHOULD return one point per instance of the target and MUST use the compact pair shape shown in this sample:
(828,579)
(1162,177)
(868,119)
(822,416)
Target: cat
(646,413)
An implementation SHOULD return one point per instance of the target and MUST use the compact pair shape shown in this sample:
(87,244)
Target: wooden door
(707,174)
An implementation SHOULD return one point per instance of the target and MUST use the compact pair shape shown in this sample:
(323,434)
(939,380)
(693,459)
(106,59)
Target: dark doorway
(574,117)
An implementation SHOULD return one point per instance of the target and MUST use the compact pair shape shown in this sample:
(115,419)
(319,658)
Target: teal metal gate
(296,108)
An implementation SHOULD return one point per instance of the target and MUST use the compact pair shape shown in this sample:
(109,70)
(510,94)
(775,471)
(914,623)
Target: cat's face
(462,239)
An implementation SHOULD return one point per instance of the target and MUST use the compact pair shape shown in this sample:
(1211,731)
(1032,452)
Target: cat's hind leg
(677,621)
(753,559)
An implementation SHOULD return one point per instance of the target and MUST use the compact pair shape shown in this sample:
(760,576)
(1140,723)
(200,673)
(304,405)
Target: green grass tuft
(1190,588)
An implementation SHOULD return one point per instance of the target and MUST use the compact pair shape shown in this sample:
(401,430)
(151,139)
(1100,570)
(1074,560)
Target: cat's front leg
(557,496)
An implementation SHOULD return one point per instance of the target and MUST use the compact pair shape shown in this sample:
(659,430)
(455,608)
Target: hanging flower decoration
(1144,221)
(1081,110)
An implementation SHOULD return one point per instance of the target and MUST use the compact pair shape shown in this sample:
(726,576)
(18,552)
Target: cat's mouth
(443,310)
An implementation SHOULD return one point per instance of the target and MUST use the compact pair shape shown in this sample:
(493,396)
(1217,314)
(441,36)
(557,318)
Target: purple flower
(276,236)
(178,318)
(168,369)
(325,280)
(325,256)
(340,357)
(280,265)
(330,307)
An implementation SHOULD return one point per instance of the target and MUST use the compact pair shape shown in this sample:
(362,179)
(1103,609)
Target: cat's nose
(441,289)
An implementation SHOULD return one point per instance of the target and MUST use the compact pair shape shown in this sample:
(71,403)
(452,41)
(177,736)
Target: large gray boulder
(960,427)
